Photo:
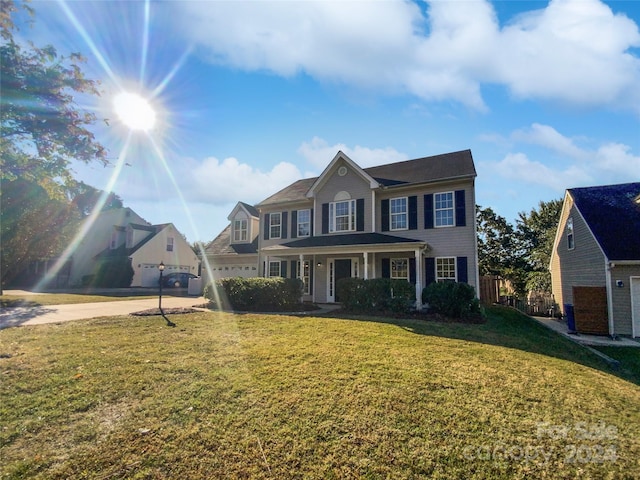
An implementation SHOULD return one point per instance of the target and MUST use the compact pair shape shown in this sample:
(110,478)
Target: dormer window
(240,230)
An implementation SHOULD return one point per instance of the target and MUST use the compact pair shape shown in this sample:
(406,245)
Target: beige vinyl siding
(621,297)
(583,266)
(182,258)
(351,183)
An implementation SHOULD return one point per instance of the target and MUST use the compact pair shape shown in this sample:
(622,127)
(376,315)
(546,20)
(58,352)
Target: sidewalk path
(584,339)
(22,316)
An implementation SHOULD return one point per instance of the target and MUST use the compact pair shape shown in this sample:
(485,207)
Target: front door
(342,270)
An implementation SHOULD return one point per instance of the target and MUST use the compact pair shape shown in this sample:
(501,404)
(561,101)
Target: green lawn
(43,299)
(272,396)
(629,358)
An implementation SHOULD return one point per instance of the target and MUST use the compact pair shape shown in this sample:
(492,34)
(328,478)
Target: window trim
(303,223)
(392,271)
(274,262)
(240,230)
(170,244)
(571,238)
(439,278)
(452,209)
(405,214)
(351,214)
(272,225)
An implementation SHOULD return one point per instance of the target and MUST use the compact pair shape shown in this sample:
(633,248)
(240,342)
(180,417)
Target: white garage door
(635,305)
(150,275)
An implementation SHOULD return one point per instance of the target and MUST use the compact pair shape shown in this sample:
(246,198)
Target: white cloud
(550,138)
(518,167)
(221,182)
(574,51)
(319,153)
(572,166)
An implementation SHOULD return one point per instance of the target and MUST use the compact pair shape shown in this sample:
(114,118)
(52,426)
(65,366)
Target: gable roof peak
(325,173)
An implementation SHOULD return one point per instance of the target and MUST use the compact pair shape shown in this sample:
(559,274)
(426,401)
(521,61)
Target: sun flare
(134,111)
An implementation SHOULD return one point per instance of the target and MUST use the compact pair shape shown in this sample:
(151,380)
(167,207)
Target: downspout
(607,269)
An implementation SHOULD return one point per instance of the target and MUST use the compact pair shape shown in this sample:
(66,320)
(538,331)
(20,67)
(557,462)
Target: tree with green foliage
(43,130)
(33,226)
(499,252)
(536,232)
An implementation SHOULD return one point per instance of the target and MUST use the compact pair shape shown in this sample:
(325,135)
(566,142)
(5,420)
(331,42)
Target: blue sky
(251,96)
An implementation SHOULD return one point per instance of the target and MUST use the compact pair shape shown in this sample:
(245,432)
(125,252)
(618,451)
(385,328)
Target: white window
(446,269)
(240,230)
(444,209)
(304,223)
(570,239)
(169,244)
(274,269)
(275,224)
(398,213)
(342,216)
(305,276)
(400,268)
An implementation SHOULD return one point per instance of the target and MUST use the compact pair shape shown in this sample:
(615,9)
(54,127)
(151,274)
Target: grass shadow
(18,315)
(507,328)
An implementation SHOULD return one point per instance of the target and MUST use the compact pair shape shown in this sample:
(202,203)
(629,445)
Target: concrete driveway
(22,316)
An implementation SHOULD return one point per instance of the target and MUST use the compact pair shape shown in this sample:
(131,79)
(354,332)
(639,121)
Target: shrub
(455,300)
(378,294)
(114,273)
(255,294)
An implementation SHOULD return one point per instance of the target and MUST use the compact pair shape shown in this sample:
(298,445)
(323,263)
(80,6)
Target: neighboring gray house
(595,263)
(412,220)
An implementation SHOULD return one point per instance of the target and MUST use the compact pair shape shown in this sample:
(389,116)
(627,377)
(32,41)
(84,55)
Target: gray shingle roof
(221,245)
(349,239)
(420,170)
(613,215)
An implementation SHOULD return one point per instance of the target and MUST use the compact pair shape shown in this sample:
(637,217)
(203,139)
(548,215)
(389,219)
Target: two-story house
(595,262)
(412,220)
(121,232)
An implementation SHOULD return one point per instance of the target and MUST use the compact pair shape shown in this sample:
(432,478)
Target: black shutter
(384,212)
(360,215)
(325,218)
(294,224)
(412,271)
(430,270)
(294,272)
(463,275)
(283,269)
(311,223)
(413,213)
(386,268)
(428,211)
(461,220)
(266,226)
(283,224)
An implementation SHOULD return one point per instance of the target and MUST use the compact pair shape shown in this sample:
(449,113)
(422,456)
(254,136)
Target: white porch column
(266,267)
(373,265)
(418,253)
(300,266)
(366,265)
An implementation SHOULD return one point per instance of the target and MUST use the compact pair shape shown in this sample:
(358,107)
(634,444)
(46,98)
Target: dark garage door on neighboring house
(590,310)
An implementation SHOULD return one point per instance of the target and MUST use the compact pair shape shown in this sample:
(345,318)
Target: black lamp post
(161,268)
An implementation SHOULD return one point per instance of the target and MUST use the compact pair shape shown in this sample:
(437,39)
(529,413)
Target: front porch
(320,262)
